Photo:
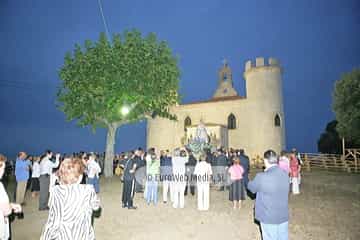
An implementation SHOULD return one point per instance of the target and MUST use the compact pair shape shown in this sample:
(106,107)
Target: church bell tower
(225,83)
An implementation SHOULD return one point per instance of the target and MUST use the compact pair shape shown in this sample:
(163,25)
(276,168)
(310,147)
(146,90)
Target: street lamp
(125,110)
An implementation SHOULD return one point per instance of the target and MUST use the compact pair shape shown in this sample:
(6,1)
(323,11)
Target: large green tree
(108,84)
(346,105)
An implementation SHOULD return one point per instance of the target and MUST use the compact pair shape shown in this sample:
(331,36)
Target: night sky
(316,41)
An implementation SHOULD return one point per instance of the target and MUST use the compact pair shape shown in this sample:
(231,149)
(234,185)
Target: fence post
(342,158)
(307,162)
(324,162)
(356,161)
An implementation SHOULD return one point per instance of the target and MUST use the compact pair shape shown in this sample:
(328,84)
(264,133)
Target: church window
(277,120)
(231,121)
(225,77)
(187,122)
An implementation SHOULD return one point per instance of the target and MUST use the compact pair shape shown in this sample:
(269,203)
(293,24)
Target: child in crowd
(237,193)
(35,184)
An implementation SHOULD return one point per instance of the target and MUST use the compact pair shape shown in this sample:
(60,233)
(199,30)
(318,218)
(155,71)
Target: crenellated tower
(265,100)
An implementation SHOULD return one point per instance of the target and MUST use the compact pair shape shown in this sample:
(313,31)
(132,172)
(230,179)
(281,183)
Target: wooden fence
(349,162)
(331,162)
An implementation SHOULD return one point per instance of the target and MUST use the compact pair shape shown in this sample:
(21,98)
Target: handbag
(118,170)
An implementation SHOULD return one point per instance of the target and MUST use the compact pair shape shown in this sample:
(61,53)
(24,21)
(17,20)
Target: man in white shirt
(46,168)
(179,160)
(203,174)
(93,171)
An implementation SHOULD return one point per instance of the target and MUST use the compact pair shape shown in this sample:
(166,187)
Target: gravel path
(328,208)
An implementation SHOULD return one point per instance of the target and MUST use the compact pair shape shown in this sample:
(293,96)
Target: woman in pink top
(294,173)
(237,193)
(284,162)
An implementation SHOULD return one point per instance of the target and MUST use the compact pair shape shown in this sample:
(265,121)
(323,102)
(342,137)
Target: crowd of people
(181,173)
(66,184)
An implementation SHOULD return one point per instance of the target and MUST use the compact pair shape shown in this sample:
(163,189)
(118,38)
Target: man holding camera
(46,168)
(271,204)
(179,160)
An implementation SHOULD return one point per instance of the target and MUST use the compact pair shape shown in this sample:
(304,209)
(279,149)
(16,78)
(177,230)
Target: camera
(182,153)
(18,215)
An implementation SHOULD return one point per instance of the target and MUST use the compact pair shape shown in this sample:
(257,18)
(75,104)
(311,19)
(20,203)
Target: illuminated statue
(200,142)
(201,133)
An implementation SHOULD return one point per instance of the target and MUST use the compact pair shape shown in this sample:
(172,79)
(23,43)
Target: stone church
(254,122)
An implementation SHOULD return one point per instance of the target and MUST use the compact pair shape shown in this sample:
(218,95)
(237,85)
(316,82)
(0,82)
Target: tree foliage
(330,141)
(99,78)
(346,105)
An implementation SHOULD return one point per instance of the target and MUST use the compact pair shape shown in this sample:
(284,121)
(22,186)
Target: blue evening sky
(316,41)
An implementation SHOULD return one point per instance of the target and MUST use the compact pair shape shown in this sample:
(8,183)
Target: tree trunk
(109,154)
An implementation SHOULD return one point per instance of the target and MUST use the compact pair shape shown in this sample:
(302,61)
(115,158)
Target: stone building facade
(254,122)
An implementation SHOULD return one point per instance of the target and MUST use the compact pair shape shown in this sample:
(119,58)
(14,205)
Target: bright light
(125,110)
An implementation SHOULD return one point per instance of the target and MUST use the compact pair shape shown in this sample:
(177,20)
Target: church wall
(160,134)
(255,127)
(214,112)
(254,132)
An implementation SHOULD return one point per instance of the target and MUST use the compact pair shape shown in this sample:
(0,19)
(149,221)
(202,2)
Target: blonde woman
(71,205)
(5,206)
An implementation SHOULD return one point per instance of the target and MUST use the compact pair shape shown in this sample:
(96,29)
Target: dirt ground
(327,208)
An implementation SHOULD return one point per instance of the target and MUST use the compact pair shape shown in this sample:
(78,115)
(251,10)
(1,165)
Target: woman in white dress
(5,206)
(71,205)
